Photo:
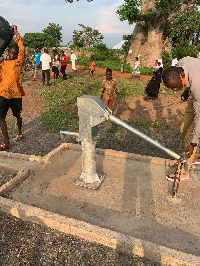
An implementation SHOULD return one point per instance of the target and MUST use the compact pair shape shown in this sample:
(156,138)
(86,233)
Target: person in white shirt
(136,70)
(73,59)
(174,61)
(45,60)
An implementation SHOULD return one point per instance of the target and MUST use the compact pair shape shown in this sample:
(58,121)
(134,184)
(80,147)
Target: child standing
(92,68)
(11,89)
(64,61)
(122,67)
(136,70)
(109,86)
(55,61)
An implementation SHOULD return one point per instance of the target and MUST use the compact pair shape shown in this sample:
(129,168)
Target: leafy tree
(87,37)
(160,26)
(127,43)
(33,40)
(55,31)
(158,20)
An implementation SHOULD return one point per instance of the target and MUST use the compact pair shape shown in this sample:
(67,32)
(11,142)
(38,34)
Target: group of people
(42,60)
(44,63)
(183,73)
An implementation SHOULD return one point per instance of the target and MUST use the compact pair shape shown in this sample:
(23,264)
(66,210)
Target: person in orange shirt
(11,89)
(92,68)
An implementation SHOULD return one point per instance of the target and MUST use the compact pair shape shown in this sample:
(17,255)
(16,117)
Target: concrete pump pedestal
(132,209)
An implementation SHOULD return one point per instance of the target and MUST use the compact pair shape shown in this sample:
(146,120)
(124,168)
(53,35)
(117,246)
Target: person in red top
(11,89)
(92,68)
(64,61)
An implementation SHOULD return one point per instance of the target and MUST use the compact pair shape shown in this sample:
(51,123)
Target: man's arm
(102,90)
(18,40)
(185,95)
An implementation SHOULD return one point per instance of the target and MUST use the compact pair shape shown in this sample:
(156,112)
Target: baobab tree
(156,25)
(158,22)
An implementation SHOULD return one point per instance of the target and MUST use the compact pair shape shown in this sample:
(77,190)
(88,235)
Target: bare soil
(166,110)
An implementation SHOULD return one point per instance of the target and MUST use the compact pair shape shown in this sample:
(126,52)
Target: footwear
(196,161)
(3,147)
(182,177)
(40,80)
(33,79)
(19,137)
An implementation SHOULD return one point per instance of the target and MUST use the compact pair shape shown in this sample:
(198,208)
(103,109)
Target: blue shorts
(15,104)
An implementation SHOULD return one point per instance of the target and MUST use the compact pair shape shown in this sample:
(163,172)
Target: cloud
(109,21)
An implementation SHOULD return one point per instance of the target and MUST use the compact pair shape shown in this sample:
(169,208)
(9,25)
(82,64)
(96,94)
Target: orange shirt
(92,65)
(11,84)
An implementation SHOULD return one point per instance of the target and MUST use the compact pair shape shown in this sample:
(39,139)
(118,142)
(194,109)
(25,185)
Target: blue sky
(35,15)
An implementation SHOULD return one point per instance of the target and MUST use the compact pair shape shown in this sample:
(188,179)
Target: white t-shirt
(73,57)
(174,62)
(46,60)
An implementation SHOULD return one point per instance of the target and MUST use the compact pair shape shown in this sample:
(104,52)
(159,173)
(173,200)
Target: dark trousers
(45,73)
(63,68)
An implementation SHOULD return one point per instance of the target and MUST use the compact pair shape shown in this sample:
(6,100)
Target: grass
(61,112)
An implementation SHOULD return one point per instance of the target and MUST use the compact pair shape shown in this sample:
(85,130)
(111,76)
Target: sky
(35,15)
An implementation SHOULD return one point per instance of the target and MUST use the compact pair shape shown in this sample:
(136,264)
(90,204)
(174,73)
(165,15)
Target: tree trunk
(147,39)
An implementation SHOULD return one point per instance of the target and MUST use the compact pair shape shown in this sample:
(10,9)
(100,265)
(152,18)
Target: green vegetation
(87,37)
(109,58)
(61,113)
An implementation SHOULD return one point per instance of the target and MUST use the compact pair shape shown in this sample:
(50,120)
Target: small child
(109,86)
(136,70)
(92,68)
(55,61)
(122,67)
(11,89)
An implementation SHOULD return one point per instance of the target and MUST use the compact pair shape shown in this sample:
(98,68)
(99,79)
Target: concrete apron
(131,211)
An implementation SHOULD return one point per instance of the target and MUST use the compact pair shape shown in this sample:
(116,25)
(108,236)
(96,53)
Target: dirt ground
(166,110)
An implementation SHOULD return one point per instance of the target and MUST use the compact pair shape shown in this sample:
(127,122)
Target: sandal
(20,137)
(3,147)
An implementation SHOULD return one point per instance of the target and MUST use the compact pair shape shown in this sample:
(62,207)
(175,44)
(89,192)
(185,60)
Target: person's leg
(40,73)
(57,72)
(61,70)
(33,69)
(4,106)
(19,125)
(35,74)
(187,127)
(16,107)
(43,77)
(48,76)
(186,130)
(4,131)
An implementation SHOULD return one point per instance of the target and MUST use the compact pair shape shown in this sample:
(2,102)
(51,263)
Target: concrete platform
(132,210)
